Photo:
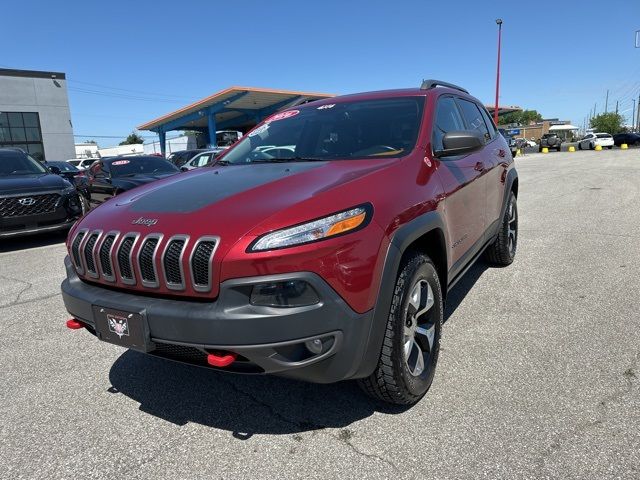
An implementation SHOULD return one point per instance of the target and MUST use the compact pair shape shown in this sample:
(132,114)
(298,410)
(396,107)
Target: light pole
(495,111)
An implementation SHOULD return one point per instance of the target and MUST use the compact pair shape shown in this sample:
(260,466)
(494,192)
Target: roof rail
(431,83)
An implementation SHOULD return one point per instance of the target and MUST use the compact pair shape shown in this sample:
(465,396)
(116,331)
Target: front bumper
(267,339)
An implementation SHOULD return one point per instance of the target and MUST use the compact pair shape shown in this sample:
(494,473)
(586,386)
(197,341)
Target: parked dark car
(110,177)
(329,264)
(32,199)
(628,138)
(510,140)
(182,157)
(74,176)
(551,141)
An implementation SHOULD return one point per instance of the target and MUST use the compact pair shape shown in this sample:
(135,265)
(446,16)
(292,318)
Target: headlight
(69,191)
(326,227)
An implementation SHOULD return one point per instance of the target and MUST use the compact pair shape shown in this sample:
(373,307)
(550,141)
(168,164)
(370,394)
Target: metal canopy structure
(503,110)
(235,108)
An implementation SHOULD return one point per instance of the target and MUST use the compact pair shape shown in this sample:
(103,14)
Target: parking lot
(538,375)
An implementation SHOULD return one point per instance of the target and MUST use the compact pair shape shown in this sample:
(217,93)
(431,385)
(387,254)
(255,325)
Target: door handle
(479,167)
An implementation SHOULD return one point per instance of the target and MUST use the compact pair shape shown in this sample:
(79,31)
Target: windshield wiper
(289,159)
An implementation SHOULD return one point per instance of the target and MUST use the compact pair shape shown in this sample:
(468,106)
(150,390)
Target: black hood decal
(193,192)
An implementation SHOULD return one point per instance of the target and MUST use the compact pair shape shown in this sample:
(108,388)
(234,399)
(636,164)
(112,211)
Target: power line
(166,95)
(122,95)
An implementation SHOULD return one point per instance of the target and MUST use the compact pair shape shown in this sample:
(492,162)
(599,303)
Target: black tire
(540,150)
(393,381)
(579,146)
(560,148)
(503,250)
(609,148)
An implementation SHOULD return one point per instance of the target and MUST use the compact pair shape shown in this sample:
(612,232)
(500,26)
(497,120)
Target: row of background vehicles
(48,196)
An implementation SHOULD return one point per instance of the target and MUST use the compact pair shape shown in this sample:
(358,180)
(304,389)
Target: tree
(132,139)
(91,141)
(607,122)
(524,117)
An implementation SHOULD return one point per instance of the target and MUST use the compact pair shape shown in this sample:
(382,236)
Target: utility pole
(638,115)
(606,102)
(495,111)
(616,107)
(633,111)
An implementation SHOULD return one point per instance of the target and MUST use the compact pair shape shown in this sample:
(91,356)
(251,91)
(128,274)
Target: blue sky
(129,62)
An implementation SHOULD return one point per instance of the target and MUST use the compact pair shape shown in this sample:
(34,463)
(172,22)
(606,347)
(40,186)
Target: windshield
(362,129)
(127,167)
(20,164)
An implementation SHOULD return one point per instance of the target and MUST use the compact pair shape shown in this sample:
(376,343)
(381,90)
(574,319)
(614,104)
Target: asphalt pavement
(538,375)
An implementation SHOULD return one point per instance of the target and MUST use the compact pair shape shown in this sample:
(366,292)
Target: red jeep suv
(320,247)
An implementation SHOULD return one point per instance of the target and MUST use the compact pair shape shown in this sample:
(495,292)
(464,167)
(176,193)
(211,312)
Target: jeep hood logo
(149,222)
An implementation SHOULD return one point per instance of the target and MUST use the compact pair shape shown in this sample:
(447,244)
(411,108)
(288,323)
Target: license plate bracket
(123,328)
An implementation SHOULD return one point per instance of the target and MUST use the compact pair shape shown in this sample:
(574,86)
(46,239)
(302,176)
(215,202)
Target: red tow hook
(74,324)
(221,359)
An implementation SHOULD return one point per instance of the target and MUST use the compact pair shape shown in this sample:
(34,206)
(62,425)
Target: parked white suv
(203,159)
(591,140)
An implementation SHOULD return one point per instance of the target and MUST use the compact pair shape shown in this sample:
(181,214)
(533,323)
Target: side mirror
(55,170)
(184,169)
(460,142)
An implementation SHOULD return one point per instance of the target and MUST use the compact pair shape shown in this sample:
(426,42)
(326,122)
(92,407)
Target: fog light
(290,293)
(314,346)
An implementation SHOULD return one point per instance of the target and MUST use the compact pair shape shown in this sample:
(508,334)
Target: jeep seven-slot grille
(172,269)
(88,253)
(200,262)
(124,262)
(147,270)
(75,249)
(20,206)
(144,253)
(105,257)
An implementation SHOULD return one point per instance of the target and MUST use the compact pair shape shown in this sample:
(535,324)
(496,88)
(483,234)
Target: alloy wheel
(512,228)
(419,328)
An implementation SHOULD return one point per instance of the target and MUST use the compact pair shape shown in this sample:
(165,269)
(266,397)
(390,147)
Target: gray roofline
(10,72)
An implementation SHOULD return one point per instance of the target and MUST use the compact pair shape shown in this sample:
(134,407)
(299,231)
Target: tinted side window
(447,119)
(473,118)
(489,122)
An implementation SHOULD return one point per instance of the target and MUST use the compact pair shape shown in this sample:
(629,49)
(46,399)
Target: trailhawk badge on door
(118,324)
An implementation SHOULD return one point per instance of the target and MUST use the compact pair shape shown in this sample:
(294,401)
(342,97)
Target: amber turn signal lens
(346,225)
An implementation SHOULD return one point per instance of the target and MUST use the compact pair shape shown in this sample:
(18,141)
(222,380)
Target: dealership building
(34,114)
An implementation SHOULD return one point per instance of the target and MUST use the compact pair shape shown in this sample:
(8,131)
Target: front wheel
(503,250)
(411,345)
(609,148)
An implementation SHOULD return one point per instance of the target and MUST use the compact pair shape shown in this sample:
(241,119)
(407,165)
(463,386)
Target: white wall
(184,142)
(136,148)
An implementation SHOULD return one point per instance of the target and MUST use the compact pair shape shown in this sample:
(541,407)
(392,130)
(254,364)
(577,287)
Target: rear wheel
(411,345)
(609,148)
(503,250)
(579,146)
